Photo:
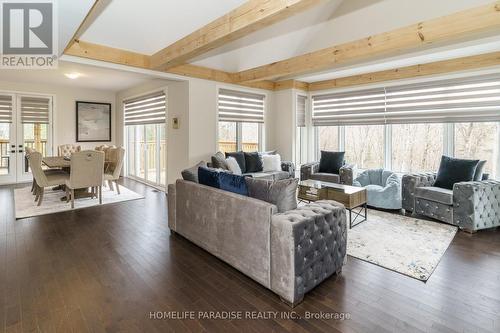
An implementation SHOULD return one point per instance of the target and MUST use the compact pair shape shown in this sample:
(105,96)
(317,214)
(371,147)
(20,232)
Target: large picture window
(416,147)
(328,138)
(478,141)
(364,146)
(241,115)
(235,136)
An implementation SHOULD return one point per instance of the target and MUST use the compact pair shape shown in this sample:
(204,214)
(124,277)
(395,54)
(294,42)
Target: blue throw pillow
(209,177)
(233,183)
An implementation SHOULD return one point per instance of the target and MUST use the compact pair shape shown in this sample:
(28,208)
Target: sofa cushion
(219,161)
(239,156)
(478,175)
(436,194)
(209,177)
(191,174)
(271,162)
(325,177)
(331,161)
(454,170)
(233,183)
(233,165)
(253,162)
(282,193)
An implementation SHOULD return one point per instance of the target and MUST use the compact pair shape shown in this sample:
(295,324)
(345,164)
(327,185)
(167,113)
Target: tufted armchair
(470,205)
(67,149)
(311,171)
(383,188)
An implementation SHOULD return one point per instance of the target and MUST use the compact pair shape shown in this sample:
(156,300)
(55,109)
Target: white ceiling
(71,14)
(91,77)
(147,26)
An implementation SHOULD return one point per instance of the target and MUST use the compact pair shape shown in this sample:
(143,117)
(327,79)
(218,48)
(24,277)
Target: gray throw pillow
(282,193)
(219,161)
(191,174)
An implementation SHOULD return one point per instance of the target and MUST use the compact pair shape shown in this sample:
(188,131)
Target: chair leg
(100,195)
(37,193)
(110,185)
(68,196)
(117,187)
(72,198)
(42,190)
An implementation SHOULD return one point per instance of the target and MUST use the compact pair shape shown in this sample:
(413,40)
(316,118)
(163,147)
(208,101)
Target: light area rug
(404,244)
(27,207)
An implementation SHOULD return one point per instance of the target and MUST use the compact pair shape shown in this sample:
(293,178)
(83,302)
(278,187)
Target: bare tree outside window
(328,137)
(364,146)
(478,141)
(227,136)
(416,147)
(250,137)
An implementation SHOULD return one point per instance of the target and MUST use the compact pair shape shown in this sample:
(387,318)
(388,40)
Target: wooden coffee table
(350,196)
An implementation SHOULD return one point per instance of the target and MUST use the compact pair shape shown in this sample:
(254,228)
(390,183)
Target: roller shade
(149,109)
(301,111)
(351,108)
(459,100)
(240,106)
(5,109)
(35,110)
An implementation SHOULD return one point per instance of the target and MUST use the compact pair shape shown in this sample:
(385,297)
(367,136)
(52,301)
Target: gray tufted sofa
(289,253)
(471,205)
(311,171)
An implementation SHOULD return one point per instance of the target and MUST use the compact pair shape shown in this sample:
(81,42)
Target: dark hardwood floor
(105,269)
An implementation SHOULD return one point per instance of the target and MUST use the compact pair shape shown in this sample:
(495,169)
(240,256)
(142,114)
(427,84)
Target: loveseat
(290,253)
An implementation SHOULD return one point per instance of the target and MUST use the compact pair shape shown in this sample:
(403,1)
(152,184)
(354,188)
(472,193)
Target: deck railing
(40,146)
(230,146)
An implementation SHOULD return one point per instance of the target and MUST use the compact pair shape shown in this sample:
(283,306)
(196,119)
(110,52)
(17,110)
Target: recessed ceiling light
(73,76)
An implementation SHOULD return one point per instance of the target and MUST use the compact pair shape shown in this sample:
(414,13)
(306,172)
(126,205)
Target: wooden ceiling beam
(96,9)
(249,17)
(439,67)
(128,58)
(448,28)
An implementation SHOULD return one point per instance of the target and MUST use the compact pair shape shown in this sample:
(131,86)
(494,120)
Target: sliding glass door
(146,138)
(146,147)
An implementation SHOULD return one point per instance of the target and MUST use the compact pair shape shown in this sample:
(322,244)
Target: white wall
(64,114)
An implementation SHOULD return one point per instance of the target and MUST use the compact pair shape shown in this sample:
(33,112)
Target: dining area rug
(26,206)
(407,245)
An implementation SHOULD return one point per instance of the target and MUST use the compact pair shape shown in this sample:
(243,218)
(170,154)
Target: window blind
(240,106)
(458,100)
(35,110)
(350,108)
(301,111)
(148,109)
(5,109)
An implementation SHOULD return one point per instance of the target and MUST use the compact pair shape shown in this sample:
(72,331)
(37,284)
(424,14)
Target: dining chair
(67,149)
(86,171)
(112,172)
(43,179)
(28,151)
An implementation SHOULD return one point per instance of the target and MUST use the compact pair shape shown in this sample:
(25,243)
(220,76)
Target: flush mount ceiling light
(73,76)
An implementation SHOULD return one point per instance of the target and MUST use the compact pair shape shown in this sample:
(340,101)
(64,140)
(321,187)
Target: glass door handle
(20,151)
(12,151)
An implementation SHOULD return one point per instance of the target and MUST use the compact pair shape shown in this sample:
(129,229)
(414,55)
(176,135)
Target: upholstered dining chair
(67,149)
(115,161)
(28,151)
(43,179)
(86,171)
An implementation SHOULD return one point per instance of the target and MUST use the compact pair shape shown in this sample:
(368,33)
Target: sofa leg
(469,231)
(338,272)
(292,304)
